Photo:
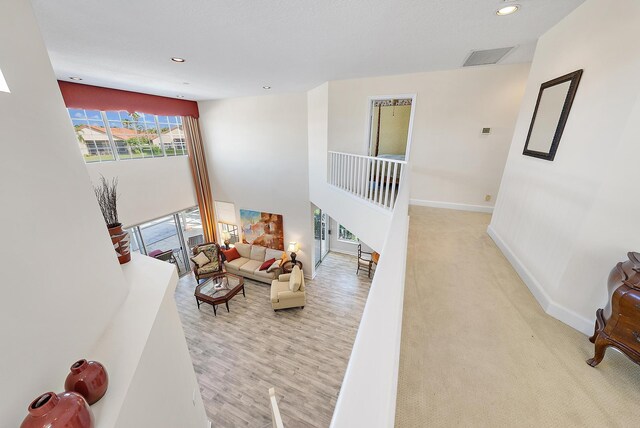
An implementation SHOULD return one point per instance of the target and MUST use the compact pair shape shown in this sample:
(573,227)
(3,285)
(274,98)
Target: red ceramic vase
(89,379)
(120,240)
(64,410)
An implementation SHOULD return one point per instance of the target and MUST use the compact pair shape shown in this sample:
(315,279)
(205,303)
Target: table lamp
(227,238)
(293,247)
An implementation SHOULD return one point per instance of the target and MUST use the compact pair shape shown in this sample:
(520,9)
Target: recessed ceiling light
(176,59)
(180,96)
(75,78)
(266,87)
(507,10)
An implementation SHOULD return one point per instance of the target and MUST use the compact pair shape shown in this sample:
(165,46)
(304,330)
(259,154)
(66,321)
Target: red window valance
(97,98)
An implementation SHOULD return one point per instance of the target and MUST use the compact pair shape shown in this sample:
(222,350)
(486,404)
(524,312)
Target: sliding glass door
(169,238)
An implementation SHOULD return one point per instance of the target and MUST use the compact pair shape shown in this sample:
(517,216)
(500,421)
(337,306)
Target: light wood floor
(303,353)
(478,351)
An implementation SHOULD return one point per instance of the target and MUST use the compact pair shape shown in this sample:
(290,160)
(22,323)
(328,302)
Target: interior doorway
(390,126)
(320,235)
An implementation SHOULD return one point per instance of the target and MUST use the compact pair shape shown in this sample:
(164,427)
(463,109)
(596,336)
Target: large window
(170,238)
(120,135)
(345,235)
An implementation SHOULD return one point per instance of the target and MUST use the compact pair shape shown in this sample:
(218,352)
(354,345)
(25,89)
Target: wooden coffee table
(219,289)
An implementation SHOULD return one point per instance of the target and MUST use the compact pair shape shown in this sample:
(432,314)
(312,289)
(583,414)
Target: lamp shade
(293,246)
(226,235)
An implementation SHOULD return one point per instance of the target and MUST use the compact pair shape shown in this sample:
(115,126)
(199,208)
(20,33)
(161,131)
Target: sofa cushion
(267,264)
(200,259)
(295,279)
(237,263)
(283,258)
(250,266)
(257,253)
(231,254)
(276,287)
(275,265)
(243,249)
(209,268)
(273,254)
(264,274)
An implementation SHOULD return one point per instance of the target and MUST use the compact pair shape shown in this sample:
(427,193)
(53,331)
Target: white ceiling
(234,47)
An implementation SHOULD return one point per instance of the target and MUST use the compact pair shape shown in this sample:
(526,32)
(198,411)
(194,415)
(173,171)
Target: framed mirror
(550,115)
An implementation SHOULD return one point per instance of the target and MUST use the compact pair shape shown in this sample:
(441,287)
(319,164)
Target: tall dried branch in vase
(107,196)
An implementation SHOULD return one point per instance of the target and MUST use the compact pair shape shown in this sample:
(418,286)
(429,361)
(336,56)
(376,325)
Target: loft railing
(376,180)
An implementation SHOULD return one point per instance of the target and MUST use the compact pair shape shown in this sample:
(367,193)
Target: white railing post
(373,179)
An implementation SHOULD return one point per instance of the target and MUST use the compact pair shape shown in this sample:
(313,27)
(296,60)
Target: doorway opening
(391,120)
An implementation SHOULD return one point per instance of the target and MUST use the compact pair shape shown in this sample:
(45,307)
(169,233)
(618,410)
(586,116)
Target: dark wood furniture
(287,266)
(366,260)
(618,324)
(204,272)
(218,290)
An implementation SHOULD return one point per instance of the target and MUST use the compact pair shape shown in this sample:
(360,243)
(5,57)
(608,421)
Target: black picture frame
(549,155)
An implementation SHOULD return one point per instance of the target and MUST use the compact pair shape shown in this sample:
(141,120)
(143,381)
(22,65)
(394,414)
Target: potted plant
(106,193)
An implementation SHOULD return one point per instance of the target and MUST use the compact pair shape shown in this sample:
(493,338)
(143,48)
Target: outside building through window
(120,135)
(345,235)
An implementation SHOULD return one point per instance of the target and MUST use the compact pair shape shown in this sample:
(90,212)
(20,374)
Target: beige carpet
(477,349)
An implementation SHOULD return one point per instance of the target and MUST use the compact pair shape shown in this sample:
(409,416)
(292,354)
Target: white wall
(61,281)
(564,224)
(257,159)
(148,188)
(451,162)
(174,395)
(367,222)
(368,393)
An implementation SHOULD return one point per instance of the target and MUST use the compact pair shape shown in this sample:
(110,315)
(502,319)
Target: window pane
(92,136)
(135,135)
(345,235)
(172,135)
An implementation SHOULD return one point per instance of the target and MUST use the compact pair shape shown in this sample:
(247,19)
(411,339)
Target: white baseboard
(551,307)
(451,205)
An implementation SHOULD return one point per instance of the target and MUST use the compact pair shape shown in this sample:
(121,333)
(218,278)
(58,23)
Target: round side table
(287,266)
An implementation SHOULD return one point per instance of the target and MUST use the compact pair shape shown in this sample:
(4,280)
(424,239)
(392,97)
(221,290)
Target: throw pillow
(274,266)
(231,254)
(295,279)
(200,259)
(267,264)
(283,258)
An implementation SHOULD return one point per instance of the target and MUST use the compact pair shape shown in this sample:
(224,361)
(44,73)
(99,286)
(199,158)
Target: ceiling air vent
(489,56)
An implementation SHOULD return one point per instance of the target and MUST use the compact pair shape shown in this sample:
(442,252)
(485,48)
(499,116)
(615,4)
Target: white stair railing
(375,180)
(276,419)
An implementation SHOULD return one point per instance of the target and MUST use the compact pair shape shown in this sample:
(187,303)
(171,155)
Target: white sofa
(251,258)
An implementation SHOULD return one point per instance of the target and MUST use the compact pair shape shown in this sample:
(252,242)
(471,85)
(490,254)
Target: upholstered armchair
(215,266)
(288,290)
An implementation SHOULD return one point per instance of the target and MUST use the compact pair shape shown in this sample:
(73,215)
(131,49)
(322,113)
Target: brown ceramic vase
(120,240)
(64,410)
(89,379)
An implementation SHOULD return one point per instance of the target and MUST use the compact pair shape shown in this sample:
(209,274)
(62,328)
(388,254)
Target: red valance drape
(97,98)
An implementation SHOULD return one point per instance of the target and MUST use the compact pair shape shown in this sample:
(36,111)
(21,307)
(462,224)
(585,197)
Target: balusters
(373,179)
